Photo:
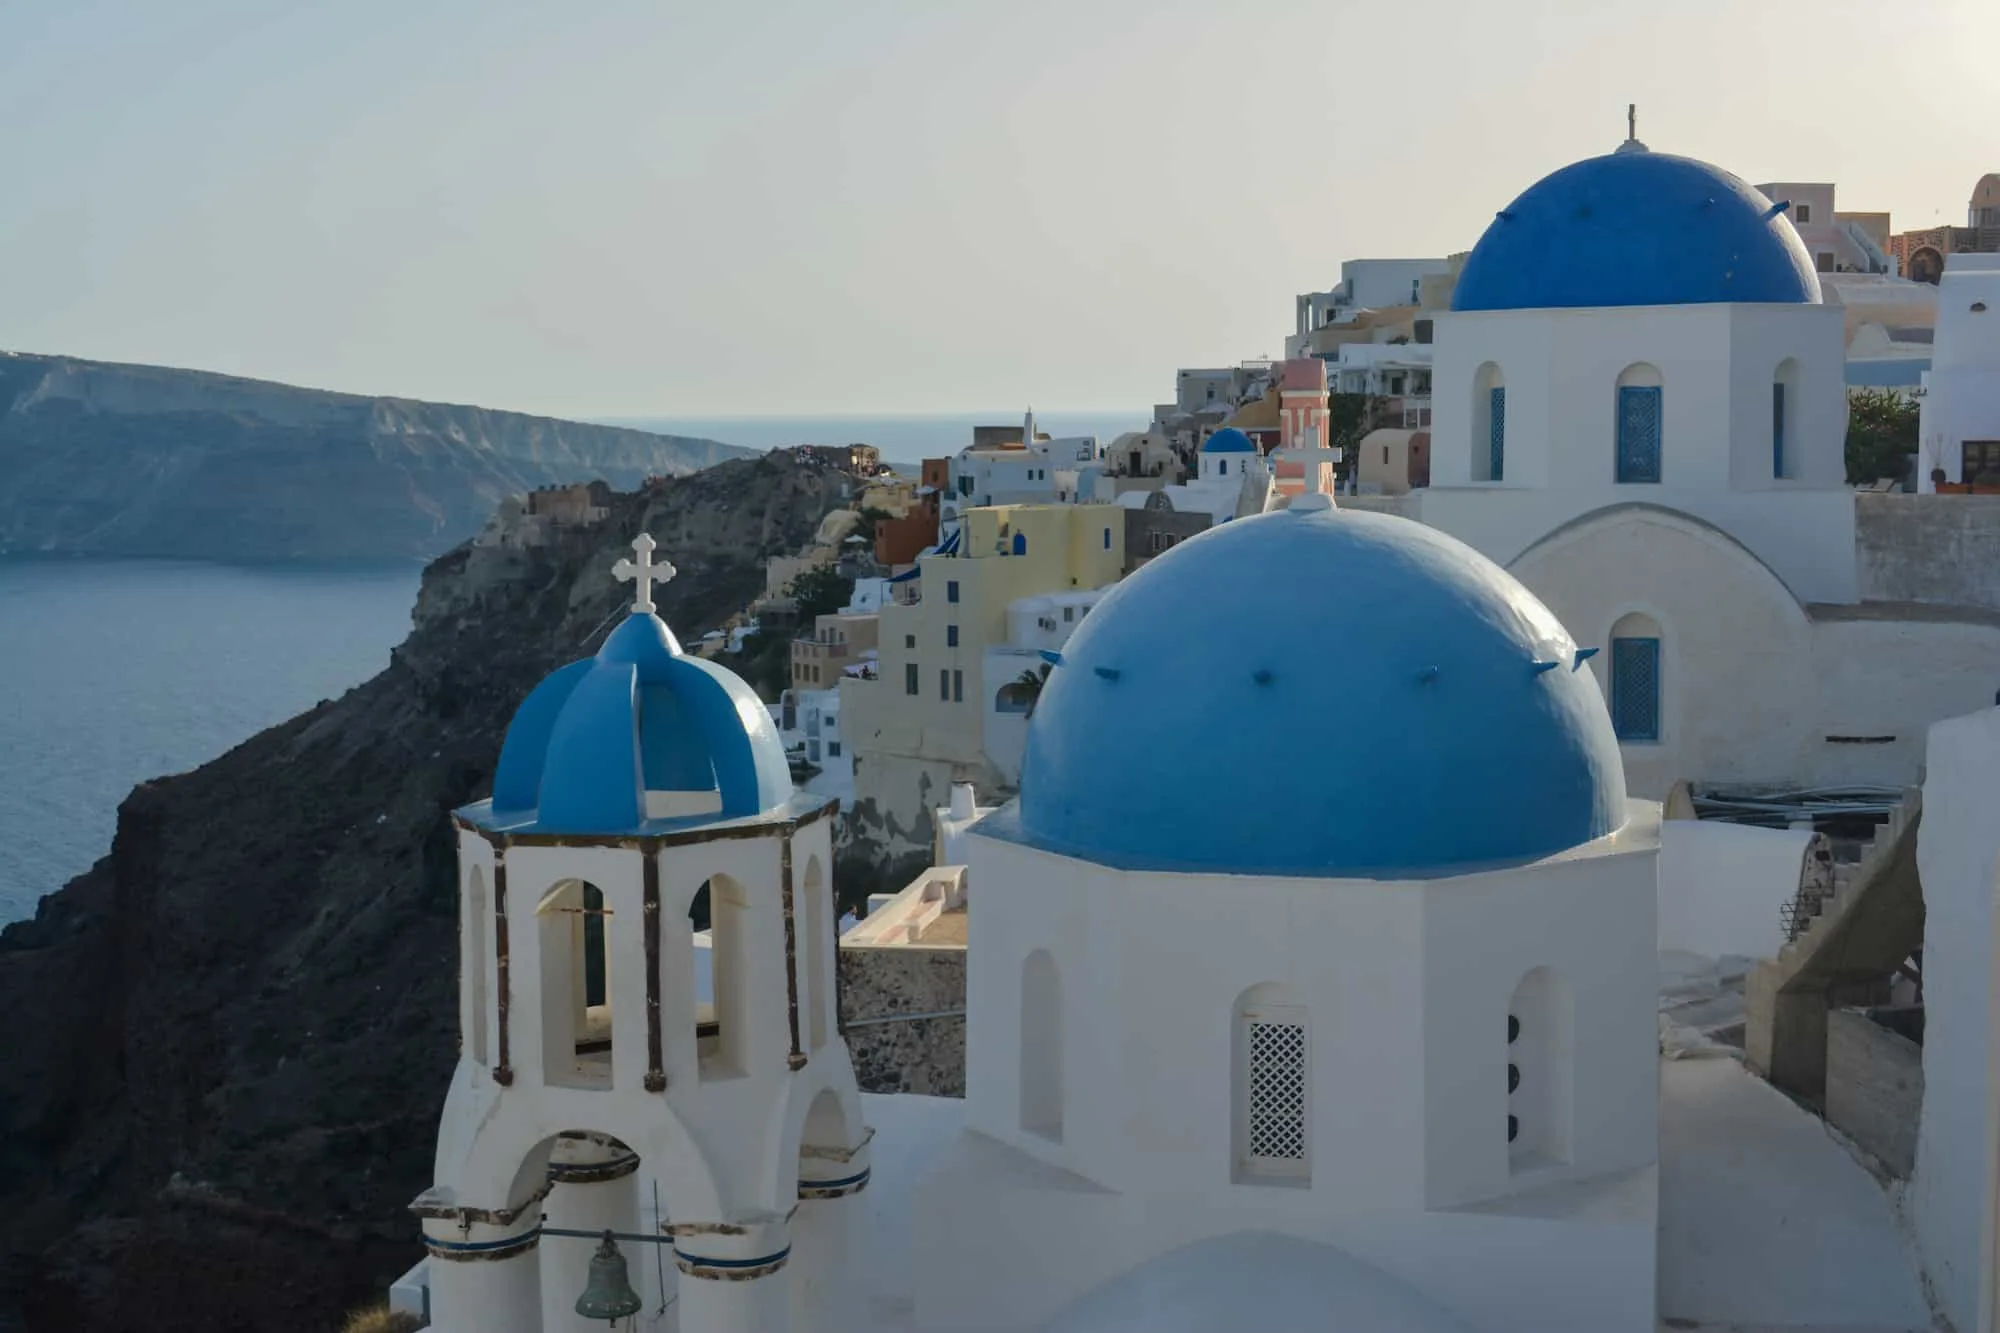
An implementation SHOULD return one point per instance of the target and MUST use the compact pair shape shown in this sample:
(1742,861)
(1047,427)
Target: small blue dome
(1228,440)
(1325,693)
(588,743)
(1636,228)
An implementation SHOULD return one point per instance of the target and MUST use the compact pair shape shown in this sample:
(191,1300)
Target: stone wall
(1874,1087)
(1928,548)
(923,1056)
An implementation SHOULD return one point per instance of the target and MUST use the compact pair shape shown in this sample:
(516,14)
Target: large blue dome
(638,737)
(1636,228)
(1319,692)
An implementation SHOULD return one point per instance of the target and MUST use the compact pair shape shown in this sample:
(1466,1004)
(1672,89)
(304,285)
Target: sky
(605,209)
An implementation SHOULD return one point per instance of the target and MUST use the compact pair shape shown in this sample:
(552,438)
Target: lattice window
(1639,433)
(1635,689)
(1276,1128)
(1497,431)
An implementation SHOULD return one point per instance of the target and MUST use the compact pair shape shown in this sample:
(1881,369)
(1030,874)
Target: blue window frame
(1639,433)
(951,636)
(951,590)
(1496,431)
(1777,430)
(1635,689)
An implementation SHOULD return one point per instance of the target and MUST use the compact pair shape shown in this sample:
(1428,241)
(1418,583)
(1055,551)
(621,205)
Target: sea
(116,671)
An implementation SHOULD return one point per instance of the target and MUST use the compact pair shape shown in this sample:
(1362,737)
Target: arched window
(1041,1047)
(576,1024)
(1020,543)
(818,920)
(720,907)
(1272,1087)
(1489,424)
(1784,401)
(1639,417)
(1014,697)
(1635,679)
(472,965)
(1222,467)
(1541,1042)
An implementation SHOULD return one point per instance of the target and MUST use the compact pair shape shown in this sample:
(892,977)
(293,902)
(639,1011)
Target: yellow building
(919,726)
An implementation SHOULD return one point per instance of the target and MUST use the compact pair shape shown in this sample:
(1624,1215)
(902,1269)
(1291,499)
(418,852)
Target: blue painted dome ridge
(1228,440)
(1398,724)
(1637,228)
(595,736)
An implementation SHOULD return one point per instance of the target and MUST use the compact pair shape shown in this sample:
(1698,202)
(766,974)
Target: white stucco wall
(1958,854)
(1716,365)
(1407,987)
(1722,886)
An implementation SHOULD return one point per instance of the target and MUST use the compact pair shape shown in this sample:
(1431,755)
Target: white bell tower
(608,1081)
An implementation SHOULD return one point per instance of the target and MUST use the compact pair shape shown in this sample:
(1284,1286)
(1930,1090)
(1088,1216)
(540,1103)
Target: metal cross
(642,573)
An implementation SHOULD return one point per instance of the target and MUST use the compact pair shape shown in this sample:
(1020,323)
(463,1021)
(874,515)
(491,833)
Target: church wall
(1589,919)
(1148,1061)
(984,1217)
(1951,1198)
(1736,670)
(1561,370)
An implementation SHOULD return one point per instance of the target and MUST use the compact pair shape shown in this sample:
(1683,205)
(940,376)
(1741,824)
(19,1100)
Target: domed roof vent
(1635,227)
(1319,692)
(639,735)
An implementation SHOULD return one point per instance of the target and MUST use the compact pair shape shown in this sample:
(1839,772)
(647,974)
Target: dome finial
(643,573)
(1631,144)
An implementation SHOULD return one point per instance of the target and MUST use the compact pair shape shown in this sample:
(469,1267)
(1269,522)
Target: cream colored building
(920,725)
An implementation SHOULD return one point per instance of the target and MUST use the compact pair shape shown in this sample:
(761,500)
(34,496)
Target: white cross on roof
(642,573)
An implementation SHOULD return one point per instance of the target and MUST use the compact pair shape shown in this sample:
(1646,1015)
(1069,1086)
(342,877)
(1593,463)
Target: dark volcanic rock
(142,460)
(223,1050)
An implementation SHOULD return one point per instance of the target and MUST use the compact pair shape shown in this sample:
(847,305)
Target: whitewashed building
(1958,432)
(1639,410)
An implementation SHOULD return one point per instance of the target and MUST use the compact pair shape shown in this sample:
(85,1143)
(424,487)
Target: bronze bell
(608,1295)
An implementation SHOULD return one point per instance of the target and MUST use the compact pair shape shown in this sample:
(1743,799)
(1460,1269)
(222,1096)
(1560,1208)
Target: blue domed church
(1320,942)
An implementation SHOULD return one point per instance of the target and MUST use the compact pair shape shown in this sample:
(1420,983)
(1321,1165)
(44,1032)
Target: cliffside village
(1723,797)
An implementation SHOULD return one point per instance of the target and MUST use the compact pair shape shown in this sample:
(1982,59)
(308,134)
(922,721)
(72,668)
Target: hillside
(226,1045)
(103,459)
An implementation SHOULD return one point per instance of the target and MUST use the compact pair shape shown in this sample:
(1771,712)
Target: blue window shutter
(1777,430)
(1497,431)
(951,636)
(951,590)
(1639,433)
(1107,539)
(1635,689)
(1020,543)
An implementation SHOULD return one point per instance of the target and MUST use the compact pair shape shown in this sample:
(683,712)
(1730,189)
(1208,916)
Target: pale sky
(844,206)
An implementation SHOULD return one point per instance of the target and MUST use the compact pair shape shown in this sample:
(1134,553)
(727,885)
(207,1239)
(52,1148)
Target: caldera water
(116,671)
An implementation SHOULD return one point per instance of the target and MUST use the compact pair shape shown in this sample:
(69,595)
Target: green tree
(1349,418)
(1031,682)
(1881,435)
(818,591)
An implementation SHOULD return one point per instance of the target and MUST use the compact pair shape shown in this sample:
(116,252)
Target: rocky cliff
(140,460)
(224,1048)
